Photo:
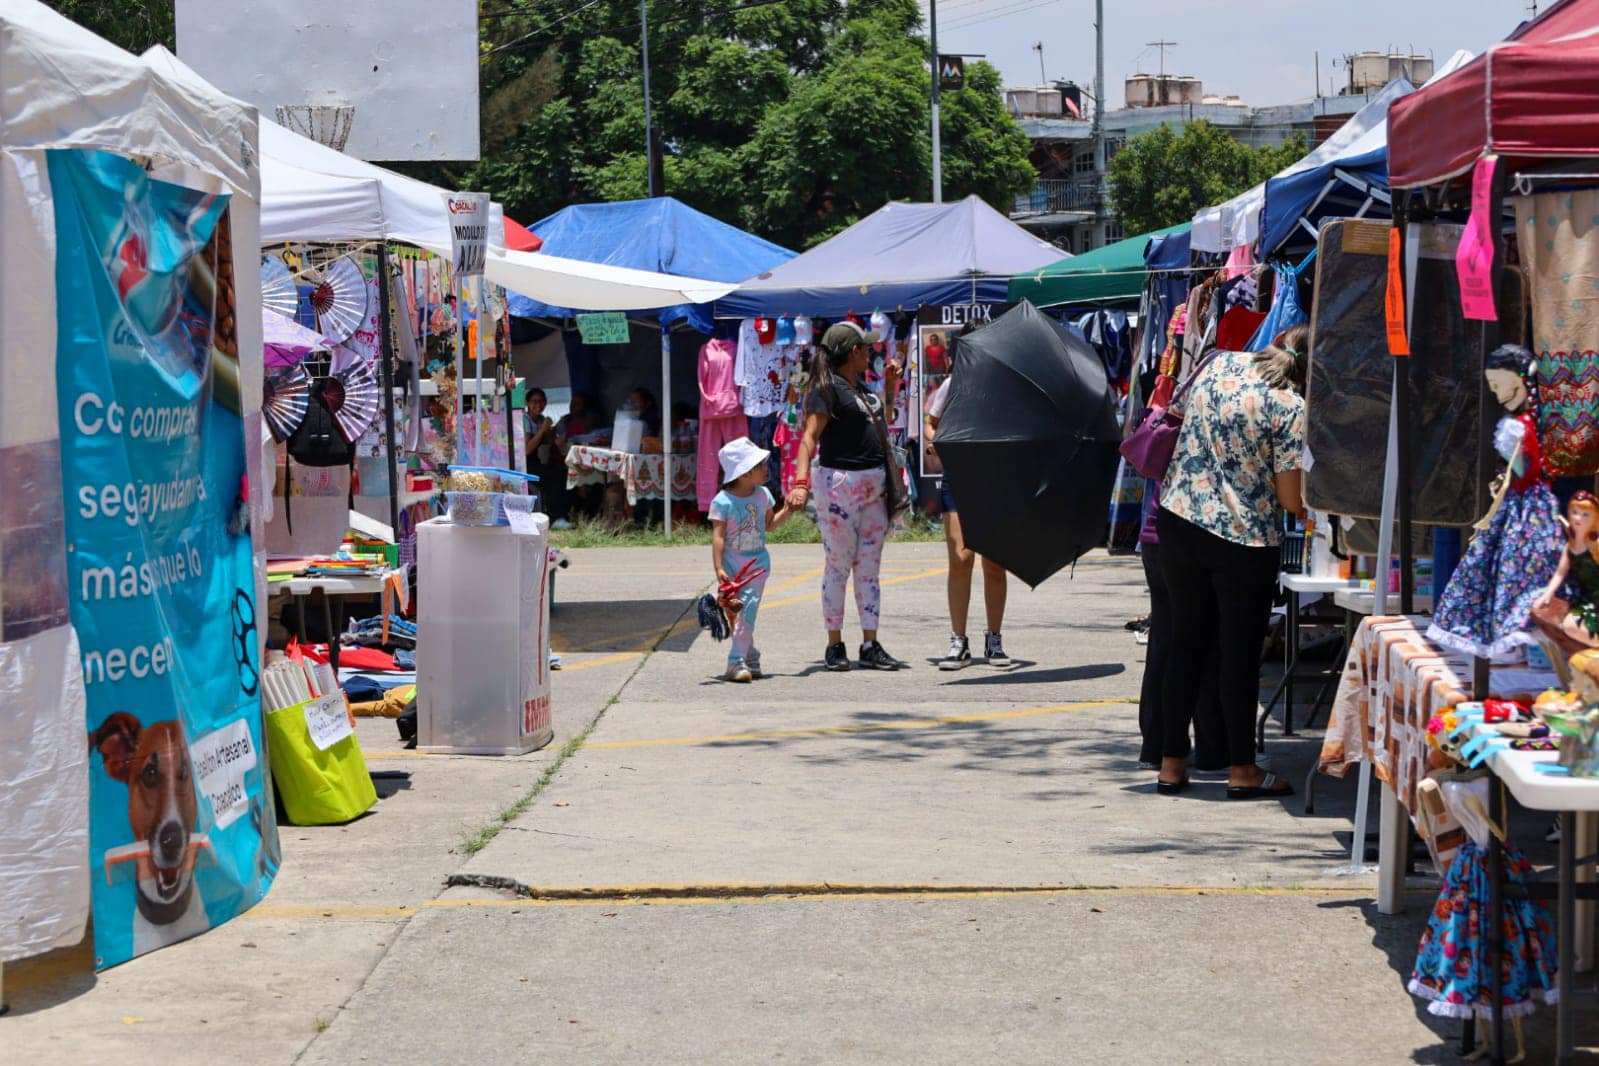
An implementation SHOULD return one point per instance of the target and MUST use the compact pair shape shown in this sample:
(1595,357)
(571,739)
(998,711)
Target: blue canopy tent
(661,235)
(902,256)
(1352,186)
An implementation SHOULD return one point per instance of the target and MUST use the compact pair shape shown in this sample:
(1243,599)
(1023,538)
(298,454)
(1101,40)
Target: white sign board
(469,232)
(408,67)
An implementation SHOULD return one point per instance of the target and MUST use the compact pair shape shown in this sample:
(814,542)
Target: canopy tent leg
(386,354)
(666,429)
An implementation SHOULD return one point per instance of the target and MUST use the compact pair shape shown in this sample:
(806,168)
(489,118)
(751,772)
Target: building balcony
(1054,197)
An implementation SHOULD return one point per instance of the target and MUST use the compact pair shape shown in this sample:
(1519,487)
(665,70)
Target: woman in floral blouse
(1236,466)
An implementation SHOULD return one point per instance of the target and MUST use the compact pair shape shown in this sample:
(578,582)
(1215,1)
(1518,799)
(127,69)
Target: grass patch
(479,838)
(321,1024)
(592,533)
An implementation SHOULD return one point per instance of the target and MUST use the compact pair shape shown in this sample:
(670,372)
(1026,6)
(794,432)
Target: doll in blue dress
(1487,606)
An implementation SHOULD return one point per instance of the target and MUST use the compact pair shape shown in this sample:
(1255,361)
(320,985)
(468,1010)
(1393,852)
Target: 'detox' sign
(160,574)
(469,232)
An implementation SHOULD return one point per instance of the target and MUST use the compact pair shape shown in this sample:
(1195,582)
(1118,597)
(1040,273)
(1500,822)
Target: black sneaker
(875,657)
(836,657)
(959,655)
(994,651)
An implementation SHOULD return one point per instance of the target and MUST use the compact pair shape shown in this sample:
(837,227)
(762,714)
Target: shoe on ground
(560,523)
(875,657)
(1141,637)
(994,650)
(959,655)
(836,657)
(740,674)
(753,661)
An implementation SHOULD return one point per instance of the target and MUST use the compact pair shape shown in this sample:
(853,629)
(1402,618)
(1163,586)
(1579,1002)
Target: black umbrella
(1029,443)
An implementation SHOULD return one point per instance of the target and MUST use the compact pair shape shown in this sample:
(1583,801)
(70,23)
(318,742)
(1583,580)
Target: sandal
(1172,788)
(1270,787)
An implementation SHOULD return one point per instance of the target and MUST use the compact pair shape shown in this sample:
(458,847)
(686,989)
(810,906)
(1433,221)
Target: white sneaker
(959,655)
(740,674)
(994,651)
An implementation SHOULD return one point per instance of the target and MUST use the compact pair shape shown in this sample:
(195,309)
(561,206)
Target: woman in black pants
(1237,464)
(1210,742)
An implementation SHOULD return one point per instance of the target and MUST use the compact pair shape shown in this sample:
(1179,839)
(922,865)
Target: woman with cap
(847,437)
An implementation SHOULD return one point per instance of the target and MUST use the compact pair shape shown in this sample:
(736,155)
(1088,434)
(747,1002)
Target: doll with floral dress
(1487,606)
(1452,972)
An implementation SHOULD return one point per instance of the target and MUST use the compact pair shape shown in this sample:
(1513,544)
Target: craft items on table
(1487,606)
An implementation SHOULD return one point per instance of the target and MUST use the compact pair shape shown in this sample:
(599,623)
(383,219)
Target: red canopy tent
(1529,96)
(518,238)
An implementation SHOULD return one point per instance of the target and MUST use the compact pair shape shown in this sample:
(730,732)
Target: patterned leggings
(853,518)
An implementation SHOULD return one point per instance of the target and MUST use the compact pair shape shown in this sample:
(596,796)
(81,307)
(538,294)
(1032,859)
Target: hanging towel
(1559,237)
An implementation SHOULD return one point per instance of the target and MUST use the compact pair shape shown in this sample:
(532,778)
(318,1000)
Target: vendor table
(642,476)
(1296,586)
(301,587)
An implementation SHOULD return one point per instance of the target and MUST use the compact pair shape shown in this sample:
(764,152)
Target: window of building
(1084,163)
(1114,232)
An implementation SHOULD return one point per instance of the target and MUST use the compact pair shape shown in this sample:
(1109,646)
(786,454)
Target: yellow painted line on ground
(604,660)
(867,727)
(268,910)
(809,575)
(811,597)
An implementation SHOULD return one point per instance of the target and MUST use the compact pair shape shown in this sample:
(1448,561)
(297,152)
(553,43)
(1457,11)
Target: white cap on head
(739,457)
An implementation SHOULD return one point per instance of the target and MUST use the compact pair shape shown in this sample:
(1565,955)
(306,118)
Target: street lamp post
(938,149)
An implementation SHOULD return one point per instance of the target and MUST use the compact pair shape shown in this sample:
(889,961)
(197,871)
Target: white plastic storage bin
(483,640)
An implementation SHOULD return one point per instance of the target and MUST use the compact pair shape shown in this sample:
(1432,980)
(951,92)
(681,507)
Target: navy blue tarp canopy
(902,256)
(1351,186)
(663,235)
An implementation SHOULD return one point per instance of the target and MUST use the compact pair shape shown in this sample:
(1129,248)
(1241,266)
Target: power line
(1017,8)
(519,41)
(547,26)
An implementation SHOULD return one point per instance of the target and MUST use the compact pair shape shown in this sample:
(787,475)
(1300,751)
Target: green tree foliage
(131,24)
(793,118)
(1161,178)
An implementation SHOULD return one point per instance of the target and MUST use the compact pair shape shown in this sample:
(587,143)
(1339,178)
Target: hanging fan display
(339,300)
(279,294)
(353,395)
(285,398)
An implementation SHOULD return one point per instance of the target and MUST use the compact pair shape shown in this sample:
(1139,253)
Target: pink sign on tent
(286,342)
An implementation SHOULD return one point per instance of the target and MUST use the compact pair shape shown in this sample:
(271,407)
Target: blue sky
(1262,50)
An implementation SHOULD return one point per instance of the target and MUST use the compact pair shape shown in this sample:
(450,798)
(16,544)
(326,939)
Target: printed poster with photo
(160,576)
(936,329)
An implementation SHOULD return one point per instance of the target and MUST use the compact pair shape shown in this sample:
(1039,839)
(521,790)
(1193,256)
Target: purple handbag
(1148,449)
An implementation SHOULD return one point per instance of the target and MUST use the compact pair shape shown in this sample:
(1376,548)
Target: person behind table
(741,515)
(961,560)
(581,419)
(546,458)
(643,401)
(1237,464)
(845,434)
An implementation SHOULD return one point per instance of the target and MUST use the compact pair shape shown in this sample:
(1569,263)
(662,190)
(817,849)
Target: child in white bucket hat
(741,514)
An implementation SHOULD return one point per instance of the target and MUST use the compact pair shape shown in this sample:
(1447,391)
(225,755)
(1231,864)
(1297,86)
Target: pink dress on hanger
(722,416)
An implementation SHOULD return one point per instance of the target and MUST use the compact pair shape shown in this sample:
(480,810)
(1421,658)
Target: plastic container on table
(484,503)
(483,646)
(475,508)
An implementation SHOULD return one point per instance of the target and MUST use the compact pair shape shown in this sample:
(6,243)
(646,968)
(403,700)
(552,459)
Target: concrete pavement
(770,870)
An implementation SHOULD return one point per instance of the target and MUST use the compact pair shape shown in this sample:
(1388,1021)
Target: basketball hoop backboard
(408,68)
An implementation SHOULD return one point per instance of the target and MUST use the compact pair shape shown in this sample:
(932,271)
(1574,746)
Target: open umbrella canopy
(1028,442)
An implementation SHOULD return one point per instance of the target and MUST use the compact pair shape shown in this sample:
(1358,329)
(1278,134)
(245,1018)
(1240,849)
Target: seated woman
(649,412)
(546,457)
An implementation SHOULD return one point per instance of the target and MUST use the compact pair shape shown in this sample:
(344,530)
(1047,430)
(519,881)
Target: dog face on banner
(153,761)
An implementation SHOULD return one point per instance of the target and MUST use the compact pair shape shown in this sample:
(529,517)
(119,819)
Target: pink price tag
(1474,261)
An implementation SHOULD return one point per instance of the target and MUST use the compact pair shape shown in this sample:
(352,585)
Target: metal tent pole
(938,148)
(386,376)
(666,428)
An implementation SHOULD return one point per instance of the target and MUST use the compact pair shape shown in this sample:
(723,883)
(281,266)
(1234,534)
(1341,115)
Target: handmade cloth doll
(1487,606)
(1574,623)
(1452,969)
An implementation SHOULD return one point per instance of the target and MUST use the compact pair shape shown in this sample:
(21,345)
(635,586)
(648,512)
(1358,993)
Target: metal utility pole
(1099,102)
(649,140)
(1038,46)
(938,149)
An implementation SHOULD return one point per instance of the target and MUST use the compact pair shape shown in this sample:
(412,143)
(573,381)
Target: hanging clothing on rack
(1286,311)
(722,417)
(761,369)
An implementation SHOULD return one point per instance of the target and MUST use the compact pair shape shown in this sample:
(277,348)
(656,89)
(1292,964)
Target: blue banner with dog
(182,834)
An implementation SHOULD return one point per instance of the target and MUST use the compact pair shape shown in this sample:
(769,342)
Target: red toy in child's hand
(727,592)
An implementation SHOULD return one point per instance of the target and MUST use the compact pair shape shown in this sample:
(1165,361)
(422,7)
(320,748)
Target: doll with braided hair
(1487,606)
(1568,609)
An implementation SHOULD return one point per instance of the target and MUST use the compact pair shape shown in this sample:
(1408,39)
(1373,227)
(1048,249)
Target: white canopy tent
(312,193)
(1225,226)
(65,88)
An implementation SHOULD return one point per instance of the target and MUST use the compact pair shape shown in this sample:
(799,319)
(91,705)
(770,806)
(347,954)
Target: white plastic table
(301,587)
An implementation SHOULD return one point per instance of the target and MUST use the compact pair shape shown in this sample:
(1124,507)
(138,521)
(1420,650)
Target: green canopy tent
(1114,272)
